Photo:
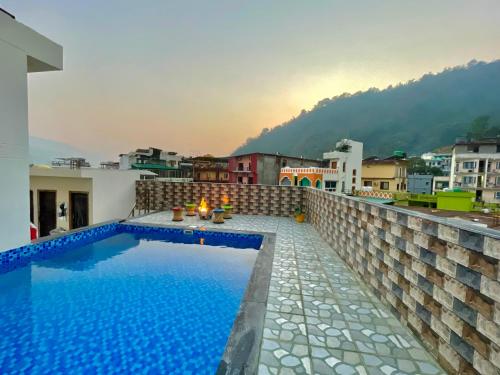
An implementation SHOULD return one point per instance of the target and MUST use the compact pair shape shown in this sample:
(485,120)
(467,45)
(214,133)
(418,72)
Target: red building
(260,168)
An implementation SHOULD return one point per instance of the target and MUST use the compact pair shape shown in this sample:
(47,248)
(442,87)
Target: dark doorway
(79,210)
(46,212)
(32,212)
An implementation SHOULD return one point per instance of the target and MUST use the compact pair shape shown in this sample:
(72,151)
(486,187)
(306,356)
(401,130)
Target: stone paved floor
(320,317)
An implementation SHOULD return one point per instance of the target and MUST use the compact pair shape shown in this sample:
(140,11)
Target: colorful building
(319,178)
(210,169)
(384,174)
(260,168)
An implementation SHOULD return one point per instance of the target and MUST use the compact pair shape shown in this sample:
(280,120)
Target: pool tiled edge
(242,349)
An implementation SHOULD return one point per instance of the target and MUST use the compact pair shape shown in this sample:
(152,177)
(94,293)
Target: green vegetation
(417,116)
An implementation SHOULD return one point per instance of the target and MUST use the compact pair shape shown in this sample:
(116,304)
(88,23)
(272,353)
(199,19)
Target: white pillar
(14,154)
(22,51)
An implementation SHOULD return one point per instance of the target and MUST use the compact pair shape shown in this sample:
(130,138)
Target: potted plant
(177,213)
(218,215)
(228,210)
(299,215)
(190,209)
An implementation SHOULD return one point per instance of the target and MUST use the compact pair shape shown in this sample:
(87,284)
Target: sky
(200,77)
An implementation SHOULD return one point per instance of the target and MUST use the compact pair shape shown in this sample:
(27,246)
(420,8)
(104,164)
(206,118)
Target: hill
(416,116)
(43,151)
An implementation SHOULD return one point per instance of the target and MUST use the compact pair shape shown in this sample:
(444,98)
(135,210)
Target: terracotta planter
(178,214)
(190,209)
(228,211)
(218,216)
(299,218)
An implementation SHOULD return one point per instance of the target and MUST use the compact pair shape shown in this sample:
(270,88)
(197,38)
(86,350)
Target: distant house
(319,178)
(420,183)
(165,164)
(440,183)
(385,174)
(476,168)
(210,169)
(441,161)
(347,160)
(261,168)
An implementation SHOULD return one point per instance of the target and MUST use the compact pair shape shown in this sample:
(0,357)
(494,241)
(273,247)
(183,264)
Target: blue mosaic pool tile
(236,240)
(23,255)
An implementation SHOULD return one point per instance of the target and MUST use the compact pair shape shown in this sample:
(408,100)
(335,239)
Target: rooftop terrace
(320,317)
(435,276)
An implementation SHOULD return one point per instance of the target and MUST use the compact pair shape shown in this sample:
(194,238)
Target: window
(354,180)
(343,167)
(284,163)
(285,181)
(240,166)
(367,183)
(397,187)
(305,182)
(468,180)
(240,180)
(498,165)
(497,181)
(469,165)
(333,165)
(473,148)
(354,172)
(330,185)
(384,185)
(318,184)
(498,148)
(497,195)
(295,180)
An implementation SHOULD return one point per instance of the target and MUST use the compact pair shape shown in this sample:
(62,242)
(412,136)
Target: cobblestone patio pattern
(321,319)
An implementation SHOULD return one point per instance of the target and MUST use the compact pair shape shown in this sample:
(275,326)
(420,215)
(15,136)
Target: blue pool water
(128,303)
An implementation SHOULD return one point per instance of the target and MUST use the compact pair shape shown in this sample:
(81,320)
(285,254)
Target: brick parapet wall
(441,280)
(245,199)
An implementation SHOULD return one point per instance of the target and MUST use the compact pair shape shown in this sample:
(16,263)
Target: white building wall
(22,51)
(113,192)
(353,159)
(14,175)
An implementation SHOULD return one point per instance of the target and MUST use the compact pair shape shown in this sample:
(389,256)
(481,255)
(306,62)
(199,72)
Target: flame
(225,199)
(203,206)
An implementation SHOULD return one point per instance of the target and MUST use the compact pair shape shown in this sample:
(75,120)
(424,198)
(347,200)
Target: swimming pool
(128,299)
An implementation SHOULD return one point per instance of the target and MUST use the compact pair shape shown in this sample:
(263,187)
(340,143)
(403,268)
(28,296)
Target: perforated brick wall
(441,280)
(245,199)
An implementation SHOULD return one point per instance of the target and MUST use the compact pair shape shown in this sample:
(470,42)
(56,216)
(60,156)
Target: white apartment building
(476,168)
(22,51)
(438,160)
(347,159)
(150,155)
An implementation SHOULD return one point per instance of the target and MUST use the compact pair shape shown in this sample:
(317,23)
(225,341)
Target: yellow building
(384,174)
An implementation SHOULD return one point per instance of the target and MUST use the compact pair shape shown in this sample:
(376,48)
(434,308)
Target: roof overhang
(42,53)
